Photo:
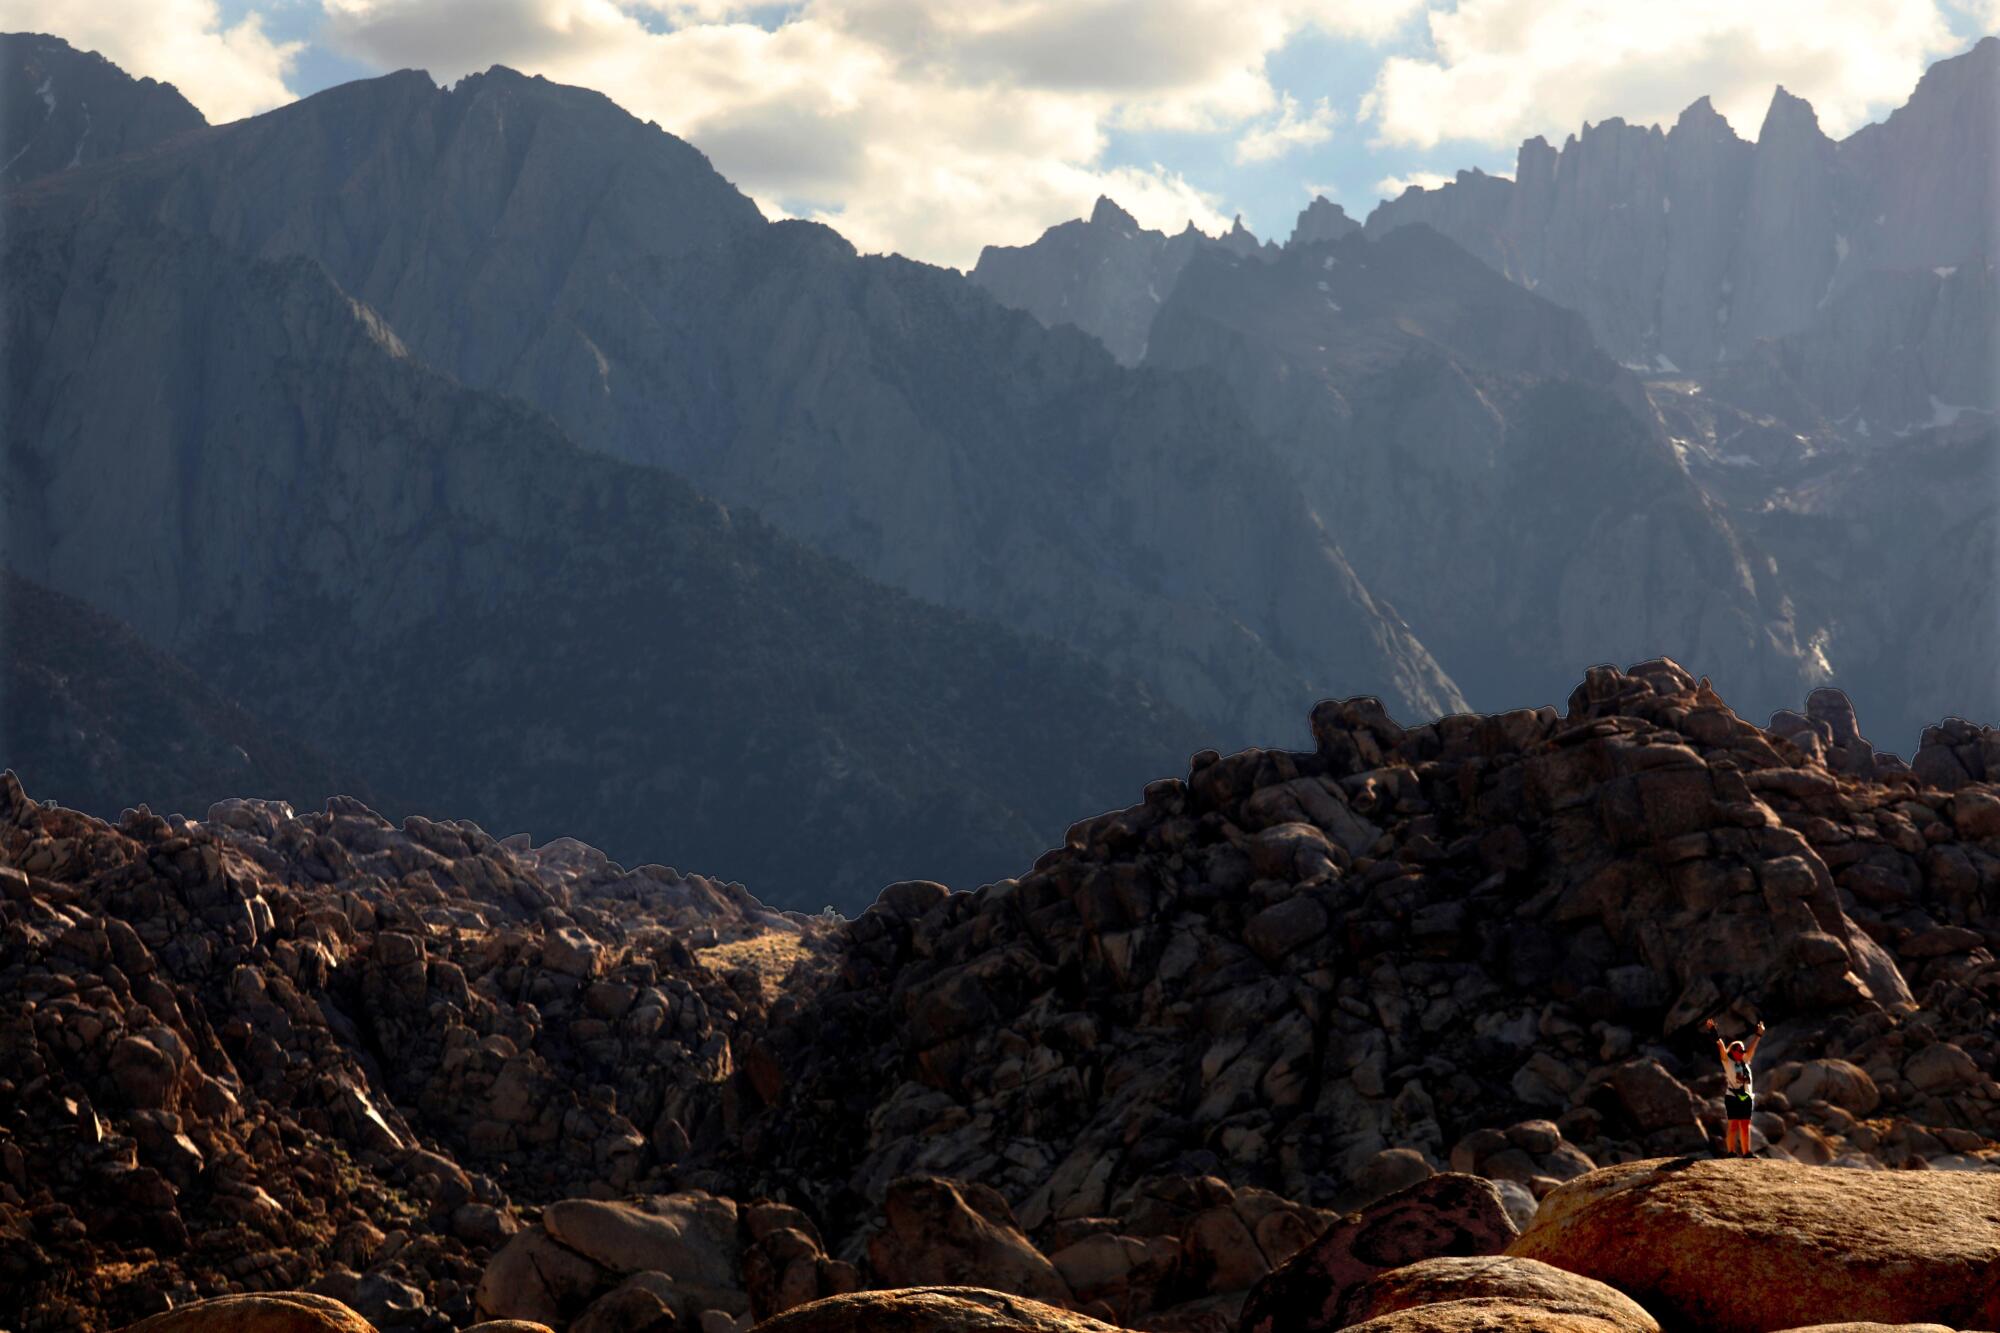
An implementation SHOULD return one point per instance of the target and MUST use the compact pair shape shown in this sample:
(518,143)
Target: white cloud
(1290,130)
(1508,69)
(1330,193)
(928,127)
(228,72)
(1391,186)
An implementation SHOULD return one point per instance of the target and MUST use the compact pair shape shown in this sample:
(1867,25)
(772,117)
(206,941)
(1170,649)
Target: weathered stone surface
(1486,1314)
(269,1312)
(1873,1327)
(1446,1215)
(689,1237)
(535,1279)
(1837,1082)
(931,1237)
(932,1310)
(1526,1282)
(1892,1247)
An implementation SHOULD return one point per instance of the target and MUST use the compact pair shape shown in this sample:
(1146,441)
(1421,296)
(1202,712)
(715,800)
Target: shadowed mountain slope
(534,239)
(433,585)
(1493,474)
(103,721)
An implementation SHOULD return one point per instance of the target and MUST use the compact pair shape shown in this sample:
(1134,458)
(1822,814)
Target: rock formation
(1106,275)
(1296,1023)
(1874,1245)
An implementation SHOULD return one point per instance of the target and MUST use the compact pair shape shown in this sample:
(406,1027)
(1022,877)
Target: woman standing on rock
(1736,1091)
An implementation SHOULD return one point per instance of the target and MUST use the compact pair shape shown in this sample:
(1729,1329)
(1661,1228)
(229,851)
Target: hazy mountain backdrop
(492,444)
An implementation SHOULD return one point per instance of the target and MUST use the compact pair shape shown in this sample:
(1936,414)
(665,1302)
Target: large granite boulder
(1499,1277)
(1810,1243)
(932,1310)
(264,1312)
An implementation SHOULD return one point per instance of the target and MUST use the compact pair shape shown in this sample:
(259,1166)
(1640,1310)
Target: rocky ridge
(1684,248)
(1430,973)
(63,108)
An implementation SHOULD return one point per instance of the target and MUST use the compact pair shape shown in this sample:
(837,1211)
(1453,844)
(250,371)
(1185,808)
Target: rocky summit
(1400,1031)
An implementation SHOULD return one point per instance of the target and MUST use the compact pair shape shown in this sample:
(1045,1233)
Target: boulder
(932,1310)
(931,1236)
(1836,1082)
(1891,1246)
(689,1237)
(1485,1314)
(1871,1328)
(1526,1282)
(533,1278)
(265,1312)
(1450,1214)
(628,1308)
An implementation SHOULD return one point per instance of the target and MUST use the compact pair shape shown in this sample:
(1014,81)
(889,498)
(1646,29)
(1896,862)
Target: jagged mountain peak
(1322,220)
(1789,116)
(62,108)
(1700,118)
(1106,213)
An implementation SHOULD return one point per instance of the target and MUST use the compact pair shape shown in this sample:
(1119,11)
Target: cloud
(1508,69)
(927,127)
(1391,186)
(1985,14)
(1289,131)
(227,70)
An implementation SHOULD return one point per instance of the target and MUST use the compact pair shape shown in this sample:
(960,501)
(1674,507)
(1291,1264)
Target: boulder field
(1400,1031)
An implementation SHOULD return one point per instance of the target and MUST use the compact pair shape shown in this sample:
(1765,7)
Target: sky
(933,127)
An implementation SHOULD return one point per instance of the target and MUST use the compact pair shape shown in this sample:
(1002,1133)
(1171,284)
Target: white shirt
(1736,1074)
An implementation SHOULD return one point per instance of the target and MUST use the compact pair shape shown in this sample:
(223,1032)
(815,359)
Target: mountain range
(489,441)
(1623,426)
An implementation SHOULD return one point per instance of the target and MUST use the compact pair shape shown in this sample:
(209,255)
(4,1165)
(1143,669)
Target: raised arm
(1721,1051)
(1751,1054)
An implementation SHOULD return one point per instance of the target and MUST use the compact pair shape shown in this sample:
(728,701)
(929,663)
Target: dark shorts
(1736,1105)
